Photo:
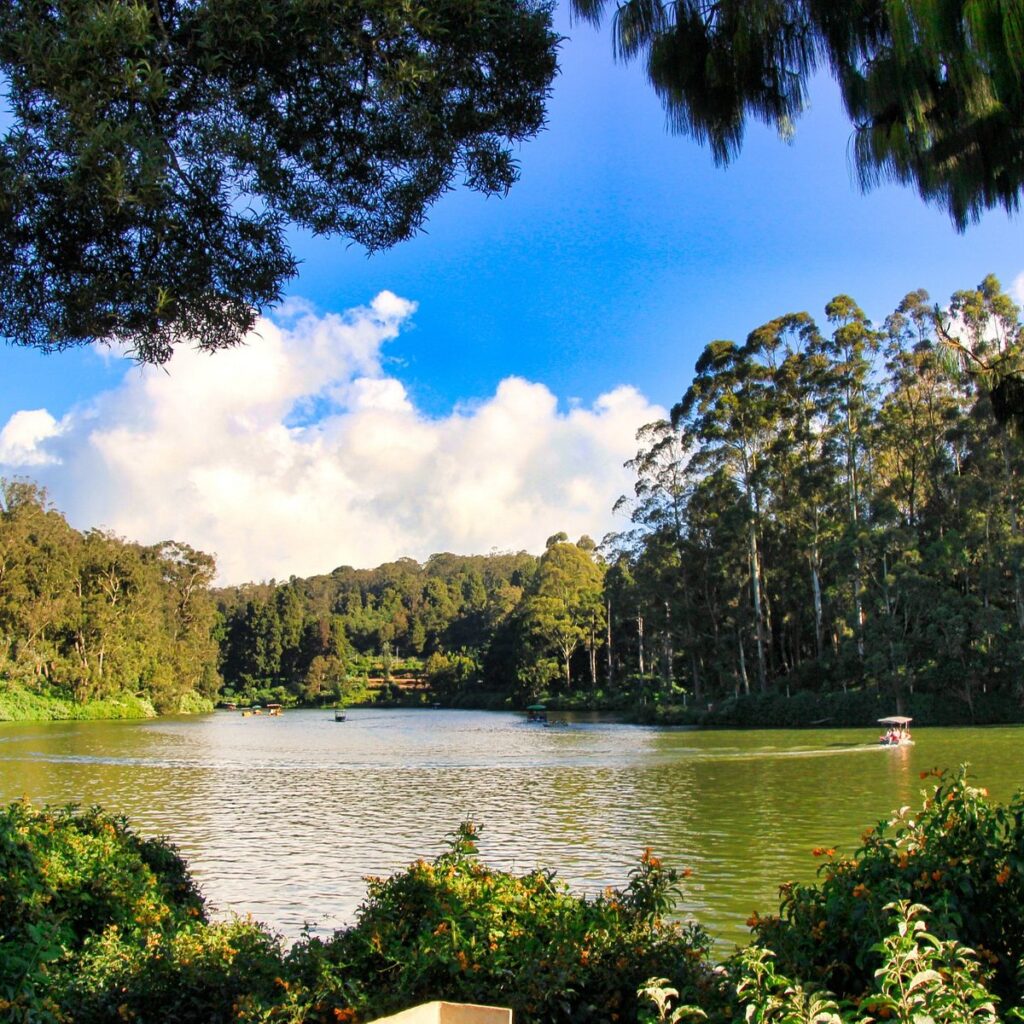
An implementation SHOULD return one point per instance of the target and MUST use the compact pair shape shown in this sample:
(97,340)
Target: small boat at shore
(896,731)
(339,714)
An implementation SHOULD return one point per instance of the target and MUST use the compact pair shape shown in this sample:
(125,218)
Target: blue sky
(620,253)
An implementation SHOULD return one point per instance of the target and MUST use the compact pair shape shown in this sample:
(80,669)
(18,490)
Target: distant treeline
(87,616)
(827,510)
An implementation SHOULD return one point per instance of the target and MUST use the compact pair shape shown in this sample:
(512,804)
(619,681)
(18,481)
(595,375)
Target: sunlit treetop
(934,88)
(156,150)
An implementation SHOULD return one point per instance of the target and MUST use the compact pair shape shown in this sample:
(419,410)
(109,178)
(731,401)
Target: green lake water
(283,817)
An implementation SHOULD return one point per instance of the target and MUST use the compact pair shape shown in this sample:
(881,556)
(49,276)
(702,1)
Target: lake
(283,817)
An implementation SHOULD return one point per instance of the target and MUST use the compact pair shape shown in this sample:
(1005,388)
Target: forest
(86,617)
(832,510)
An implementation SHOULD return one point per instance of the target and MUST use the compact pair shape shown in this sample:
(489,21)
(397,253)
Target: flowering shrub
(197,974)
(960,855)
(921,926)
(97,924)
(65,877)
(456,929)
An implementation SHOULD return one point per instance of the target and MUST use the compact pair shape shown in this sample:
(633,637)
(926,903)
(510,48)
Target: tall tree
(726,410)
(566,606)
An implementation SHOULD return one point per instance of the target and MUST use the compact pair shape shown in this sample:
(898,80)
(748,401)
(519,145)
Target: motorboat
(895,731)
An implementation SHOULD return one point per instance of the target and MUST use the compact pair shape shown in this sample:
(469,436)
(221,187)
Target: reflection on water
(283,817)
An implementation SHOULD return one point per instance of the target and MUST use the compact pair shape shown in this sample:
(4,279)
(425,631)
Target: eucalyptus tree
(983,330)
(847,405)
(658,510)
(728,415)
(157,151)
(797,473)
(715,563)
(920,405)
(934,88)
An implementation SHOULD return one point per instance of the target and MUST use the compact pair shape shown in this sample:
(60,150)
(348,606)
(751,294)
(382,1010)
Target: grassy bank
(20,705)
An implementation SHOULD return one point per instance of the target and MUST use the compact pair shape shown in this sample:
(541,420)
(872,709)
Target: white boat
(896,731)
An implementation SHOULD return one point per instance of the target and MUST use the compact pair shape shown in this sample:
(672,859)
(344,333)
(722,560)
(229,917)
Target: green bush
(920,979)
(960,855)
(455,929)
(21,705)
(192,703)
(196,974)
(66,877)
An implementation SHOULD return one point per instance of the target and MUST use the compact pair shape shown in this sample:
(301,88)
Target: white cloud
(1018,287)
(297,453)
(23,435)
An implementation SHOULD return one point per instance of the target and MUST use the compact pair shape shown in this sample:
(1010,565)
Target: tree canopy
(934,88)
(157,150)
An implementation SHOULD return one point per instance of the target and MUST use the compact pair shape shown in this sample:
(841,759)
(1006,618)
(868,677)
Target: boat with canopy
(895,731)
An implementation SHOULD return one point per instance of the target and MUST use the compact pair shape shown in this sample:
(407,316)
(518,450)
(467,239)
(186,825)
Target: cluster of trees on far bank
(836,504)
(87,616)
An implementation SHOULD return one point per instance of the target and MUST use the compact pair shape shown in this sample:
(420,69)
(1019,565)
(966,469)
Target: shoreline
(858,709)
(18,704)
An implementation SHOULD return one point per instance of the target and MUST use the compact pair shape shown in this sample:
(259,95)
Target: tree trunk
(666,647)
(755,588)
(819,635)
(609,660)
(743,665)
(640,640)
(592,654)
(698,682)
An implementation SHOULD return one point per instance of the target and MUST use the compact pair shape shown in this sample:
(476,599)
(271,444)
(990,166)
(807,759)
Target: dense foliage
(456,929)
(832,508)
(933,87)
(829,527)
(89,617)
(100,926)
(157,150)
(477,628)
(920,924)
(960,854)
